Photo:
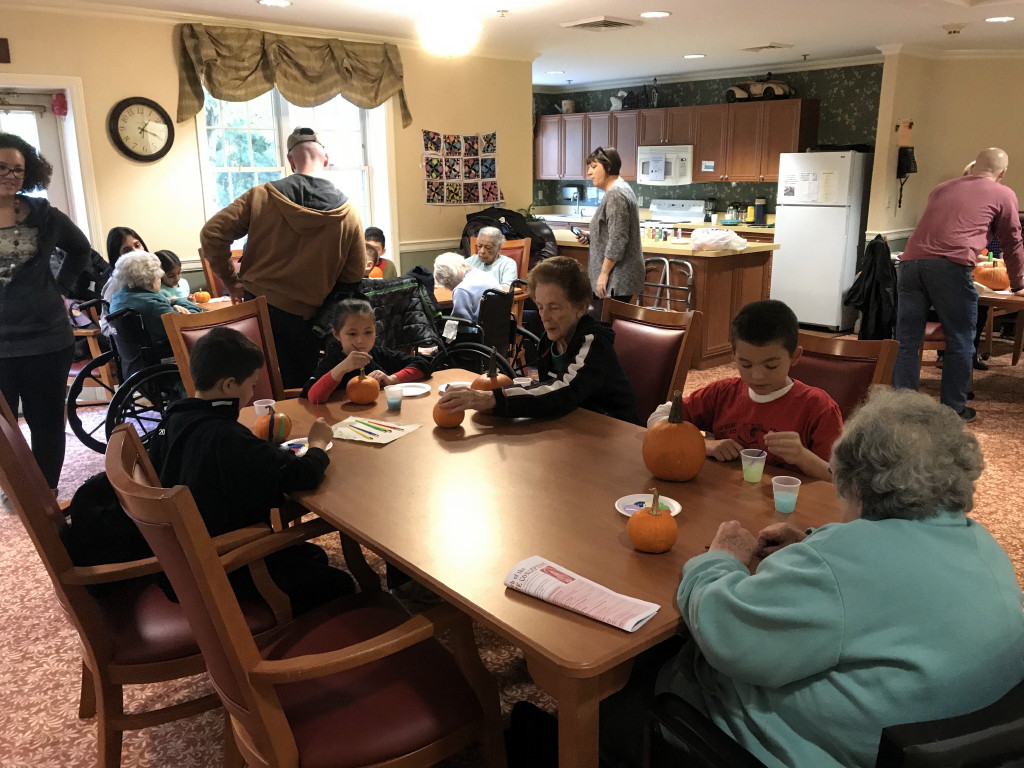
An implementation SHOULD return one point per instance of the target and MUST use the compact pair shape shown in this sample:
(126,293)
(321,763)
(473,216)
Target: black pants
(297,347)
(40,383)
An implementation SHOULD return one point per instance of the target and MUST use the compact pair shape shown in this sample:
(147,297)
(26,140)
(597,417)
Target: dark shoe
(979,364)
(968,414)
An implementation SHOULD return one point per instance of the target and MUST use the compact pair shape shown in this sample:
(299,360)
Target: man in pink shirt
(936,271)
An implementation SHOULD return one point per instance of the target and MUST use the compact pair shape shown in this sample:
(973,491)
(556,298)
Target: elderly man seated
(467,284)
(488,257)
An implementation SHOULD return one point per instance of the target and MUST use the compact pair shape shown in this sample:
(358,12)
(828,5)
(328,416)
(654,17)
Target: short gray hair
(138,269)
(449,269)
(902,455)
(493,232)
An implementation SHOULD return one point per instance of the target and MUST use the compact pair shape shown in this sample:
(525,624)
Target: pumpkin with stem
(674,449)
(491,380)
(652,529)
(201,297)
(273,426)
(992,274)
(362,389)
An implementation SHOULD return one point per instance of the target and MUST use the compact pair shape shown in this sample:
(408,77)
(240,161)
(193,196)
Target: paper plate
(444,387)
(300,445)
(415,389)
(627,505)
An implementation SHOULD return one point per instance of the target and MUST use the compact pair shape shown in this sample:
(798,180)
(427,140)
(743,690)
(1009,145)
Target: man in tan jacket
(304,238)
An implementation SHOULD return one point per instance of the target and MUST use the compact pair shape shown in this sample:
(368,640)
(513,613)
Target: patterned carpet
(39,661)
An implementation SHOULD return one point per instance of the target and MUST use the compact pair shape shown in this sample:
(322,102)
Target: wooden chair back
(214,283)
(845,368)
(655,348)
(252,318)
(517,250)
(105,375)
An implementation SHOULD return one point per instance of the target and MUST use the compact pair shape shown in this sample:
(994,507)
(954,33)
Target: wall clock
(141,129)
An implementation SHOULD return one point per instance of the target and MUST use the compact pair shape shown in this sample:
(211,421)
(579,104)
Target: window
(246,146)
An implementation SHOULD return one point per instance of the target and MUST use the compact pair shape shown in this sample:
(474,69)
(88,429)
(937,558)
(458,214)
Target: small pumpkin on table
(674,449)
(653,529)
(362,389)
(201,297)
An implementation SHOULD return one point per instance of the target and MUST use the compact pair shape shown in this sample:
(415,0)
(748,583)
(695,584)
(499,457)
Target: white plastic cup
(786,490)
(753,464)
(264,406)
(394,394)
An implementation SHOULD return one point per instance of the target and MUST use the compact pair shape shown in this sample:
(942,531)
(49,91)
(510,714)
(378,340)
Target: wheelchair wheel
(143,399)
(89,377)
(474,357)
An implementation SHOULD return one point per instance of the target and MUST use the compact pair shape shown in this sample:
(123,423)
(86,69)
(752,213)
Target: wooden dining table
(1013,303)
(457,508)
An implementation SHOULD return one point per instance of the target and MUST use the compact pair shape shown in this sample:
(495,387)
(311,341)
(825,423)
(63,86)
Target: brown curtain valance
(238,64)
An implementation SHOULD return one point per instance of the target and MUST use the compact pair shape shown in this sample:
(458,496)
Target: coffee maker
(710,204)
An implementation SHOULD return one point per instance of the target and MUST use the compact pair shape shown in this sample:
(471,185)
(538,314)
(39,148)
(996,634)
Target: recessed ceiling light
(276,3)
(694,55)
(1000,19)
(655,15)
(555,72)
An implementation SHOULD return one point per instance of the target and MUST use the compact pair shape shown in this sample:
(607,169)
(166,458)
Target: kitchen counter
(562,219)
(672,247)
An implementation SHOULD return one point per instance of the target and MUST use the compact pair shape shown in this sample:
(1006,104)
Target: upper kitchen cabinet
(625,133)
(558,147)
(790,125)
(598,133)
(673,125)
(743,141)
(709,144)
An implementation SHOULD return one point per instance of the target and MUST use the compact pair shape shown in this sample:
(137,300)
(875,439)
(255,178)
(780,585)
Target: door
(680,125)
(709,143)
(573,153)
(30,116)
(781,133)
(625,128)
(598,131)
(547,148)
(743,157)
(653,124)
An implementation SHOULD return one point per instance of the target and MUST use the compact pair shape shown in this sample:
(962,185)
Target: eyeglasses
(599,154)
(6,170)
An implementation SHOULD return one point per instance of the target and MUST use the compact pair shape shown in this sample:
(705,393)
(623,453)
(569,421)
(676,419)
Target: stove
(677,211)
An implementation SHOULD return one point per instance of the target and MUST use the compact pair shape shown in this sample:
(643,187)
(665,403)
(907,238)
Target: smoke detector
(953,29)
(601,22)
(766,47)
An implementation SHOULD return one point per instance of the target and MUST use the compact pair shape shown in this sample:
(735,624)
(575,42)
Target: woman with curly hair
(36,342)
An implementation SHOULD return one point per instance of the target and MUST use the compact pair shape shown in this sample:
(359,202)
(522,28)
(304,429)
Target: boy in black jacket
(237,478)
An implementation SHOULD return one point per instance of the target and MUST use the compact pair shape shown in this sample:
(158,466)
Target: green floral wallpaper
(849,115)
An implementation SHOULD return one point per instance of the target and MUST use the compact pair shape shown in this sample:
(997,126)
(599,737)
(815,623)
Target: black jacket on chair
(874,292)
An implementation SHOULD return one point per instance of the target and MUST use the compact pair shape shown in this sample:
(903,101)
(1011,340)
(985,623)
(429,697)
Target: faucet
(576,200)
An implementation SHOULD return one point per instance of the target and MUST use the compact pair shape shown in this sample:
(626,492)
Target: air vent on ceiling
(767,47)
(601,22)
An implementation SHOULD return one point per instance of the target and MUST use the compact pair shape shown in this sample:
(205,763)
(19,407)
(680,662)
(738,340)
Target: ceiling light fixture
(999,19)
(655,15)
(276,3)
(449,35)
(694,55)
(555,72)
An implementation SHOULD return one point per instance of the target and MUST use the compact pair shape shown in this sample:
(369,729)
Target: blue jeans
(949,288)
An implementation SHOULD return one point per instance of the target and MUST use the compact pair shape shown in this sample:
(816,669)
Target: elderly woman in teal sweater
(140,275)
(909,611)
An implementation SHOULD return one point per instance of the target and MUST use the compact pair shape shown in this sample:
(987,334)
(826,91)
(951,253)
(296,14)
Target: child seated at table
(355,347)
(764,408)
(237,478)
(172,284)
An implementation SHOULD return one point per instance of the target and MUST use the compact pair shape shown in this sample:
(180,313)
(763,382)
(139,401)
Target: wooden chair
(655,348)
(106,375)
(845,368)
(214,283)
(250,318)
(517,250)
(934,339)
(357,682)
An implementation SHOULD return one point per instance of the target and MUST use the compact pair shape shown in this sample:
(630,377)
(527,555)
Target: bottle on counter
(750,214)
(760,212)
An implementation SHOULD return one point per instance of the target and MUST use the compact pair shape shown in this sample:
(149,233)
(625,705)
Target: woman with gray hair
(453,271)
(907,611)
(140,275)
(489,258)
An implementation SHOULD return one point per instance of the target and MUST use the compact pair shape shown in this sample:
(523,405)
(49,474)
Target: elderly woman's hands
(776,536)
(463,399)
(736,540)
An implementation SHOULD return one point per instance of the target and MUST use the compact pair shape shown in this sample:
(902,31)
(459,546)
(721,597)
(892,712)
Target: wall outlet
(640,201)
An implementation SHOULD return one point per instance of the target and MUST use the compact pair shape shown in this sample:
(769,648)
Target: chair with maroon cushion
(934,339)
(655,348)
(356,682)
(845,368)
(252,318)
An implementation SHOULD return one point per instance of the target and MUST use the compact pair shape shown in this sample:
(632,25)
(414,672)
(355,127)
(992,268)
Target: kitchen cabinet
(673,125)
(709,144)
(790,125)
(558,147)
(743,141)
(625,133)
(599,131)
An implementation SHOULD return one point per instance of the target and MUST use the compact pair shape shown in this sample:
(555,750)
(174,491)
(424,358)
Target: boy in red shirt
(764,408)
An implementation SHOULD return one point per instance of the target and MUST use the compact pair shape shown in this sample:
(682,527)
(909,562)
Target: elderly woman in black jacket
(36,342)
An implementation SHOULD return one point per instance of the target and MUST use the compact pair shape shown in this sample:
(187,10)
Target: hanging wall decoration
(460,169)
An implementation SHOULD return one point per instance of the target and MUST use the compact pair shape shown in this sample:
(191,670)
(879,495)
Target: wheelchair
(149,383)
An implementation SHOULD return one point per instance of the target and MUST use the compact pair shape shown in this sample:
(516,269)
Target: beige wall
(958,106)
(120,57)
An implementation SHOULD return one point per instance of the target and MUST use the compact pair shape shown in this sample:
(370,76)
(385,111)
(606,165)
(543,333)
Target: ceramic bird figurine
(616,100)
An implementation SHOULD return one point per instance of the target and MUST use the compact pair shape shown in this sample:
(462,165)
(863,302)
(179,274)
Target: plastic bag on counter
(711,239)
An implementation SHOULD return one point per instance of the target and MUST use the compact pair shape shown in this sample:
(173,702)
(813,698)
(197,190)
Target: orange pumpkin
(491,380)
(447,419)
(652,529)
(273,426)
(362,389)
(201,297)
(674,449)
(992,274)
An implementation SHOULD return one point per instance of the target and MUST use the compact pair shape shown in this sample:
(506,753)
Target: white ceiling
(822,29)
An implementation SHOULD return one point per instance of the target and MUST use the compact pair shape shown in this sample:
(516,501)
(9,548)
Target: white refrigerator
(820,215)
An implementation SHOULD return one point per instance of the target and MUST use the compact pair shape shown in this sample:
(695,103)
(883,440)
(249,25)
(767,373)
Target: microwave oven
(665,166)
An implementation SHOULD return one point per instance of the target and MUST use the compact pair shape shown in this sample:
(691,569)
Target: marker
(362,432)
(372,426)
(386,426)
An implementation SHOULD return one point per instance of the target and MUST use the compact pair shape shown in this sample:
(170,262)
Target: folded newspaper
(560,586)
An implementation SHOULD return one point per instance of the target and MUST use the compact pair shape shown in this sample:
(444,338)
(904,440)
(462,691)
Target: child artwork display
(460,169)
